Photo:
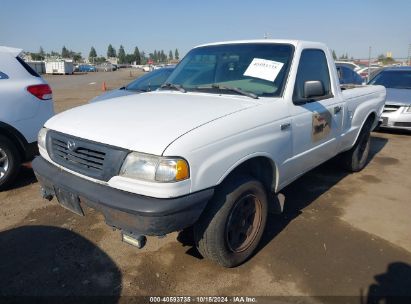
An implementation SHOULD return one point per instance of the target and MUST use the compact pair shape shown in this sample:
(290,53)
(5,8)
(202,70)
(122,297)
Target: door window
(313,67)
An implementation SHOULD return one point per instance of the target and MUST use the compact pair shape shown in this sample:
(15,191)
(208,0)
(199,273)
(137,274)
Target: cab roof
(282,41)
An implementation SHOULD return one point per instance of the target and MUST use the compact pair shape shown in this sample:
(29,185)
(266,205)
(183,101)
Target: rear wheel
(231,227)
(10,162)
(356,158)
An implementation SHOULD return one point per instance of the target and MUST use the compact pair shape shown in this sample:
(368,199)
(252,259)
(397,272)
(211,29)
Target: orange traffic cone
(103,87)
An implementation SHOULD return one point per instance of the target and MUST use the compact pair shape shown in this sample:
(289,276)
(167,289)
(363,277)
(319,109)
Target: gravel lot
(341,234)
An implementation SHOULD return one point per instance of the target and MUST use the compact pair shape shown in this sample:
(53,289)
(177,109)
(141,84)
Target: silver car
(397,109)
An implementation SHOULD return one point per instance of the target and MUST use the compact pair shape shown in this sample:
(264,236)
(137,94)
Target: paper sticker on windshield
(263,69)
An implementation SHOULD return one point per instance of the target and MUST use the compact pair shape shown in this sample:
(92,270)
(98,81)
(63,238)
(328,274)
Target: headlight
(41,138)
(155,168)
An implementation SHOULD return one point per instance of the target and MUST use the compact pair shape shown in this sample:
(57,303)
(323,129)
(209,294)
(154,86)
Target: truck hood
(146,122)
(398,96)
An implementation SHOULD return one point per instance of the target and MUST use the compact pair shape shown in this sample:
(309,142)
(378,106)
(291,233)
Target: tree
(111,52)
(163,57)
(99,60)
(385,60)
(176,55)
(65,52)
(137,57)
(155,56)
(76,57)
(170,55)
(41,52)
(36,56)
(121,55)
(344,56)
(129,58)
(93,53)
(334,55)
(143,57)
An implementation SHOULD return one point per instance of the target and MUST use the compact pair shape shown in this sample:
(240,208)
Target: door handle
(285,126)
(337,109)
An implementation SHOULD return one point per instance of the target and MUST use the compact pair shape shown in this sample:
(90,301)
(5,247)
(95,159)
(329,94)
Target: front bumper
(396,119)
(132,213)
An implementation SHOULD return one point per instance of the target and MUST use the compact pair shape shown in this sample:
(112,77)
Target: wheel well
(261,168)
(371,119)
(14,136)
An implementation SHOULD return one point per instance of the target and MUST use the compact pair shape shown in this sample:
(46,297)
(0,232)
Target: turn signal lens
(182,170)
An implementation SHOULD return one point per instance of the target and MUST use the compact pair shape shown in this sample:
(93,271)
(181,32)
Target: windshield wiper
(169,85)
(138,90)
(233,89)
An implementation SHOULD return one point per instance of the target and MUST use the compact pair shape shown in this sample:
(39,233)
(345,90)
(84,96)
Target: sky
(349,26)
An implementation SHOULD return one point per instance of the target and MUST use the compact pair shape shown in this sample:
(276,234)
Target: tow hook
(138,241)
(45,194)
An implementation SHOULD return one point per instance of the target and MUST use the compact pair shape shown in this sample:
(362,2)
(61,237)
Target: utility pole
(369,64)
(409,55)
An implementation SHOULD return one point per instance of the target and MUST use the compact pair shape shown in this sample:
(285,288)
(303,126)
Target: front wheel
(231,227)
(9,162)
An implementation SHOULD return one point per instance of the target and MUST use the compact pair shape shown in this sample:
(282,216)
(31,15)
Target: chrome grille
(86,157)
(402,124)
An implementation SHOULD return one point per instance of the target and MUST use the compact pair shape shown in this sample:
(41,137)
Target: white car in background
(26,104)
(353,66)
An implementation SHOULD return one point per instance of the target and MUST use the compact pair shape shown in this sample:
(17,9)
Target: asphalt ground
(342,238)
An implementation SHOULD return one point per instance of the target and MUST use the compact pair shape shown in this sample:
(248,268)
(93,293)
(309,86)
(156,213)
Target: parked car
(353,66)
(106,67)
(397,110)
(86,68)
(26,103)
(348,76)
(146,83)
(234,124)
(364,71)
(147,68)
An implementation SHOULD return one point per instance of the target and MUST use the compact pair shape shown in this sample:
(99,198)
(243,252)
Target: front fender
(221,146)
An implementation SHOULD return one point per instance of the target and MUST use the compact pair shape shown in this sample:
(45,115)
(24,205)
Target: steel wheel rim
(243,223)
(4,163)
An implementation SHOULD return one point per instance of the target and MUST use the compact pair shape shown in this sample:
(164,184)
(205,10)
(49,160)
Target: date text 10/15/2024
(203,299)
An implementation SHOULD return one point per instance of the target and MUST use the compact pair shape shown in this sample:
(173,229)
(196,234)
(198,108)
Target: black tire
(234,199)
(356,158)
(8,149)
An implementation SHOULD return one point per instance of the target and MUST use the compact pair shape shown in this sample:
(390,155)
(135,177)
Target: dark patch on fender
(321,125)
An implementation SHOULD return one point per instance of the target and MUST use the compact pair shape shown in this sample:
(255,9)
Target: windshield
(258,68)
(393,79)
(151,81)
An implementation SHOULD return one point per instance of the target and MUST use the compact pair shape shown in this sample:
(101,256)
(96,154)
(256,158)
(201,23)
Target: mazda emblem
(71,145)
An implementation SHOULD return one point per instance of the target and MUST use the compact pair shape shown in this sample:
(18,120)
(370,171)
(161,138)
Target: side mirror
(313,88)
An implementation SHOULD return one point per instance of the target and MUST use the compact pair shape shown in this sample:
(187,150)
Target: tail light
(41,91)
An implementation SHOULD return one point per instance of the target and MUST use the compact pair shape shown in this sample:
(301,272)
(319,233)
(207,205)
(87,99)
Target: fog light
(138,241)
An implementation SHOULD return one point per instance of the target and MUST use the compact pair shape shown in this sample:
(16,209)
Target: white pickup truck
(234,124)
